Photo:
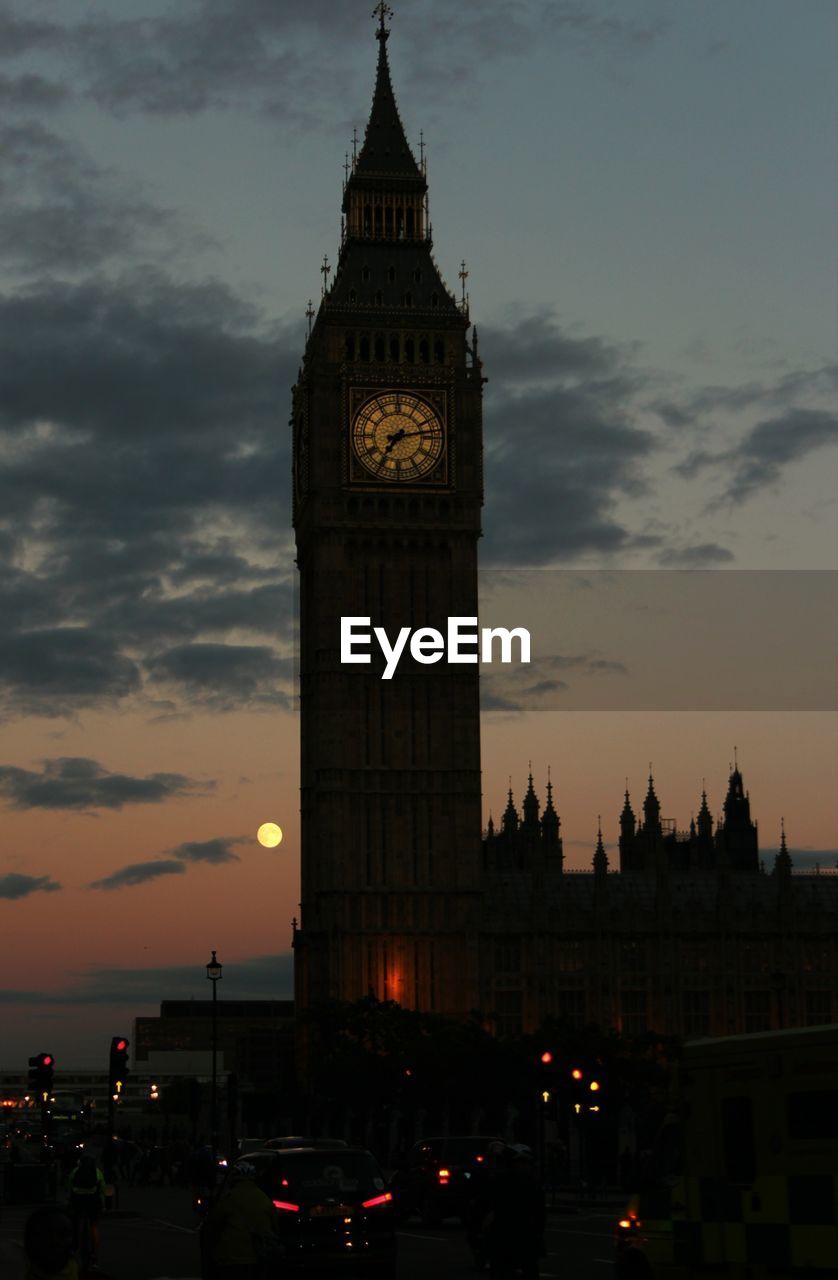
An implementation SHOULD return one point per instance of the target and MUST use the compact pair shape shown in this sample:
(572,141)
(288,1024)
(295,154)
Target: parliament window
(633,1012)
(633,957)
(508,955)
(569,957)
(508,1013)
(818,1007)
(696,1014)
(570,1007)
(757,1010)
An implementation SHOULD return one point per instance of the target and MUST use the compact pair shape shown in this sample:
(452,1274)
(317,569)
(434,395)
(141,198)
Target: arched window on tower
(379,298)
(394,348)
(352,296)
(391,274)
(410,224)
(409,350)
(424,350)
(365,346)
(434,299)
(417,275)
(399,222)
(367,220)
(379,348)
(439,351)
(365,273)
(408,299)
(350,346)
(378,221)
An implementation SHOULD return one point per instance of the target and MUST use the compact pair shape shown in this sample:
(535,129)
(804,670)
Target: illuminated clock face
(398,436)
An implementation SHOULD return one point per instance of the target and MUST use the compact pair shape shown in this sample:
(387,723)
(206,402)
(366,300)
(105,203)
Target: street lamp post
(214,976)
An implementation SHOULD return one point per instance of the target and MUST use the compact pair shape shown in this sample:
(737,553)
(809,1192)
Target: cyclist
(238,1234)
(87,1200)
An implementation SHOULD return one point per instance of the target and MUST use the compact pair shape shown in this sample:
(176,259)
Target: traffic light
(118,1069)
(587,1087)
(41,1070)
(546,1075)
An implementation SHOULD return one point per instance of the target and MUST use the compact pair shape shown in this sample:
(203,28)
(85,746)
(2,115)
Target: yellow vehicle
(743,1179)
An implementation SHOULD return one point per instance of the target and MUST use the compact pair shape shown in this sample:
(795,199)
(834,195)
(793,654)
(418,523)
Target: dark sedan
(334,1213)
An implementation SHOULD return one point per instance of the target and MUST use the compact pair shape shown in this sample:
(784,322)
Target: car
(435,1180)
(283,1144)
(334,1212)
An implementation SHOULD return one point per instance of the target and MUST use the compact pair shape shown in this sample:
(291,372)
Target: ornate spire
(705,817)
(509,821)
(530,805)
(627,818)
(782,863)
(550,820)
(600,856)
(385,150)
(651,805)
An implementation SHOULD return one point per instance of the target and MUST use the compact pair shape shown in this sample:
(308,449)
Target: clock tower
(387,449)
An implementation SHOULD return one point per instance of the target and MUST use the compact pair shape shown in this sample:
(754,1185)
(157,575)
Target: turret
(738,834)
(550,828)
(651,809)
(384,196)
(530,807)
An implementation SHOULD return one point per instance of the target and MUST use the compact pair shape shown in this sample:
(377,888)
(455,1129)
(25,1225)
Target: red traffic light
(47,1059)
(546,1057)
(121,1046)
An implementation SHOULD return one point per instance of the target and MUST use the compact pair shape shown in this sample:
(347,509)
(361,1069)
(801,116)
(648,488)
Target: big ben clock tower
(387,496)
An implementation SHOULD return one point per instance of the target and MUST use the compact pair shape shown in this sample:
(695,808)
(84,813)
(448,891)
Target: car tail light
(479,1159)
(377,1200)
(444,1175)
(284,1204)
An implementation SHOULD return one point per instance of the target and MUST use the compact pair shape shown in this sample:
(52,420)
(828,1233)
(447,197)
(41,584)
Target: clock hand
(394,439)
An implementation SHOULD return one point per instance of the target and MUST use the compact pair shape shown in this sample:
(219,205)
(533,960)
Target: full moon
(269,835)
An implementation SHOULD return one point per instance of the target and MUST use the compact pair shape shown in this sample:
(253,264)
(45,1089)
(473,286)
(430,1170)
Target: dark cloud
(701,555)
(147,460)
(139,873)
(14,885)
(24,34)
(539,686)
(30,92)
(213,851)
(78,783)
(757,461)
(288,59)
(252,977)
(57,671)
(223,676)
(561,443)
(61,212)
(784,392)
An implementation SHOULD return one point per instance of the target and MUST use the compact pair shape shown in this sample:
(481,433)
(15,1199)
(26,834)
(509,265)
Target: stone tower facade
(387,447)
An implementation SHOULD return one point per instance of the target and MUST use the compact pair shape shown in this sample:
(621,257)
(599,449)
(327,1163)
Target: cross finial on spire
(354,146)
(325,271)
(382,11)
(422,150)
(463,275)
(309,315)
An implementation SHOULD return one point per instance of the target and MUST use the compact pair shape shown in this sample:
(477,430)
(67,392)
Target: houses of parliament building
(403,894)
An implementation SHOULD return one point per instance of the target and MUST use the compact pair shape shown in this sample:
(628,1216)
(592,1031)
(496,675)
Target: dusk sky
(644,195)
